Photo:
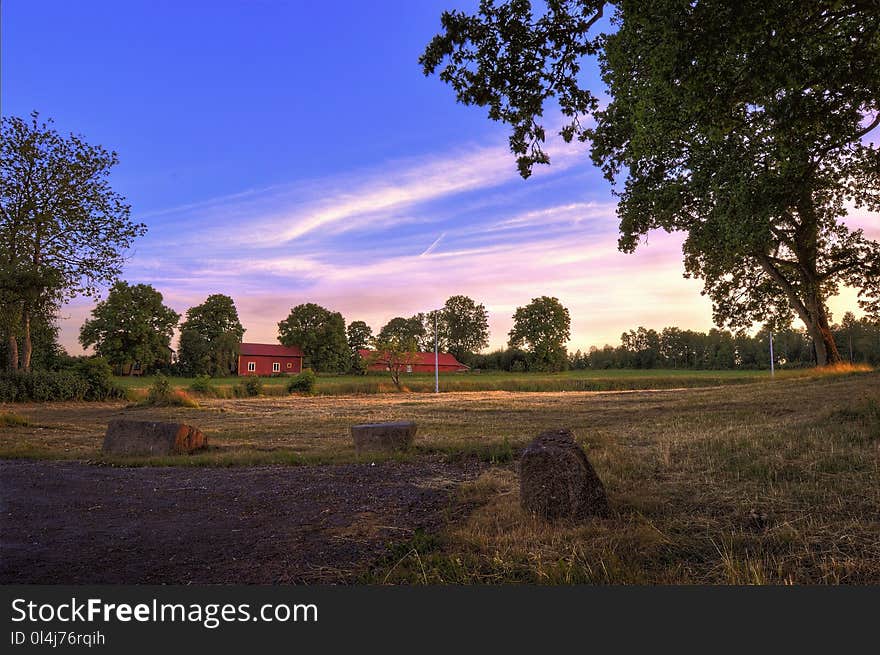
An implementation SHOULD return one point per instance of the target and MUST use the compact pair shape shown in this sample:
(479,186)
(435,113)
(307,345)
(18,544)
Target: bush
(249,387)
(303,382)
(202,384)
(84,378)
(160,391)
(162,395)
(98,377)
(41,386)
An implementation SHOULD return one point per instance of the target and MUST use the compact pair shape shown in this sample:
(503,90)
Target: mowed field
(769,482)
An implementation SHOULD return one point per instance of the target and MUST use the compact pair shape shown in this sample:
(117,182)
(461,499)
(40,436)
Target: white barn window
(252,366)
(276,367)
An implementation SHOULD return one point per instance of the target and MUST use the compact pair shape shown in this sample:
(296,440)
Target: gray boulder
(383,436)
(126,437)
(557,480)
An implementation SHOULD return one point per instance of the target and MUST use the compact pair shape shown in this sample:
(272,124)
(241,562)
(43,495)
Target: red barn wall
(419,368)
(263,364)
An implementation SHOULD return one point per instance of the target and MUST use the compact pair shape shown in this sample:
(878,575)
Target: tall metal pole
(772,368)
(436,356)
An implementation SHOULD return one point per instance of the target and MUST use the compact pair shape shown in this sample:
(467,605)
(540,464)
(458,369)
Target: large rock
(125,437)
(557,480)
(383,436)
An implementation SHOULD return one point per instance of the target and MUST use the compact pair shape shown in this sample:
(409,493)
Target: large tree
(210,337)
(464,326)
(132,325)
(414,331)
(742,124)
(320,333)
(543,327)
(359,336)
(63,230)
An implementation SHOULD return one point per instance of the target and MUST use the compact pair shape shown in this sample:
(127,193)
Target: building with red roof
(422,363)
(269,359)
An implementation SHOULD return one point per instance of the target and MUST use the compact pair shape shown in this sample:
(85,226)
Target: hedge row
(89,379)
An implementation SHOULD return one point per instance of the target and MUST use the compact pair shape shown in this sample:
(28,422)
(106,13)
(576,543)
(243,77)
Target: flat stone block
(383,436)
(126,437)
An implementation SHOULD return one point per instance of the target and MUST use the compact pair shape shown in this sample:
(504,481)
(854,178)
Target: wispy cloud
(356,243)
(433,246)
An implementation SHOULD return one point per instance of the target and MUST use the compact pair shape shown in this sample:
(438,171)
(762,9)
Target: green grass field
(584,380)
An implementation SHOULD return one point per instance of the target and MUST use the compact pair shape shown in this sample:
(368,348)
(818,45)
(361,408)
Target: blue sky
(288,152)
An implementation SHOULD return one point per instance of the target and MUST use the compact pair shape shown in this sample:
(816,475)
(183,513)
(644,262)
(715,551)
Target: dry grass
(775,482)
(11,420)
(841,368)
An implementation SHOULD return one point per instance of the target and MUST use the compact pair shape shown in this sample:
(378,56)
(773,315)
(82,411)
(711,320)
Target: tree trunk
(823,339)
(28,347)
(811,311)
(12,352)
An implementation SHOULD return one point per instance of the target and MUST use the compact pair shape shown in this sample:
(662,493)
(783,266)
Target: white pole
(772,368)
(436,356)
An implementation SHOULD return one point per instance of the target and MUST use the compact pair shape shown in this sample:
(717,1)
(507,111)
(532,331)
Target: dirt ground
(76,523)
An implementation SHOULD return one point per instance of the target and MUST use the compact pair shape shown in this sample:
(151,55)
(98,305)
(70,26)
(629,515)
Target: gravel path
(75,523)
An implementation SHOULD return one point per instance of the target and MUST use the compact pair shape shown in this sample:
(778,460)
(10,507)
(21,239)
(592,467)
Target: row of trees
(460,327)
(857,339)
(133,326)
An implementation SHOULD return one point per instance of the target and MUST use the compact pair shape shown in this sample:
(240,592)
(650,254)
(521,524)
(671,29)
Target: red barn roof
(269,350)
(426,359)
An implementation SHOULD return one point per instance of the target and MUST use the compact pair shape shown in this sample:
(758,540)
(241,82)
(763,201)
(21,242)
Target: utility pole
(772,367)
(436,355)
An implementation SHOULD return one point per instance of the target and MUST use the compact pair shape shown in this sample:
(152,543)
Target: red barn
(423,363)
(268,359)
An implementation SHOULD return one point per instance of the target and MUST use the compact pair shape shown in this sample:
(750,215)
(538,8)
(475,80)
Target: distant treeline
(857,339)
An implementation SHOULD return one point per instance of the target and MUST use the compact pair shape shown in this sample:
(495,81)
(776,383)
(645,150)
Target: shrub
(303,382)
(162,395)
(160,391)
(202,384)
(249,387)
(98,378)
(41,386)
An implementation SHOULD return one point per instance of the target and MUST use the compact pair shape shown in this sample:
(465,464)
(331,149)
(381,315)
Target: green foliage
(395,354)
(162,394)
(48,354)
(304,382)
(86,379)
(464,327)
(63,232)
(249,387)
(359,337)
(320,334)
(756,169)
(543,327)
(202,384)
(98,376)
(131,325)
(210,337)
(160,391)
(408,332)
